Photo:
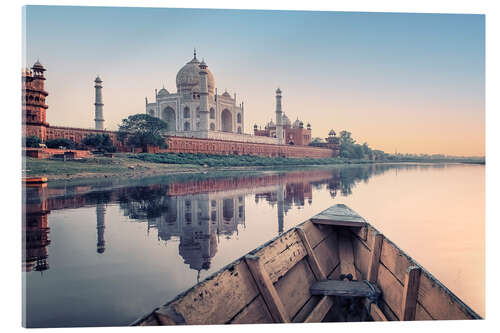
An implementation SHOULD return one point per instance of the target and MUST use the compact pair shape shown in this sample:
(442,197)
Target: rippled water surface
(107,253)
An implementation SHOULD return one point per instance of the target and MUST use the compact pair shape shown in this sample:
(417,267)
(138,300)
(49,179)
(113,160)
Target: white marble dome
(188,77)
(163,92)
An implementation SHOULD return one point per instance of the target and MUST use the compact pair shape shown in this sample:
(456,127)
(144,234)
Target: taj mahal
(196,110)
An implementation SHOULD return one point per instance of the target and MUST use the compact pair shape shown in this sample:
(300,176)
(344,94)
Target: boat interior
(334,267)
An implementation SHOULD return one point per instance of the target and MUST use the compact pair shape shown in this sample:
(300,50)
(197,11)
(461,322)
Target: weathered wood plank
(346,256)
(320,311)
(335,274)
(339,215)
(327,253)
(392,290)
(254,313)
(439,302)
(390,315)
(311,256)
(328,221)
(376,313)
(410,289)
(267,290)
(422,314)
(395,261)
(361,233)
(374,258)
(151,320)
(361,257)
(282,254)
(219,299)
(344,288)
(294,287)
(167,316)
(316,233)
(306,309)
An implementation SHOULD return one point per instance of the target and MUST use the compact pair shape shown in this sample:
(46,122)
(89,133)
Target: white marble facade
(180,110)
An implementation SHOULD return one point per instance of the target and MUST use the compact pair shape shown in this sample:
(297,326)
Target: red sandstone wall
(188,145)
(77,134)
(208,146)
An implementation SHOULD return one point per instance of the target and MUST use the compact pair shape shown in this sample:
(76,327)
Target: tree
(99,141)
(56,143)
(141,130)
(347,145)
(32,141)
(317,140)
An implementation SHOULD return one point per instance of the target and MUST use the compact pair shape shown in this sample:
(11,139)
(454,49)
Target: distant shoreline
(134,166)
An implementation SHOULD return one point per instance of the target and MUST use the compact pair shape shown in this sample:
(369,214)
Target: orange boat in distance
(35,180)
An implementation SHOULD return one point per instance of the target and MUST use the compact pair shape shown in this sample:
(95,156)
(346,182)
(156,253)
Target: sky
(411,83)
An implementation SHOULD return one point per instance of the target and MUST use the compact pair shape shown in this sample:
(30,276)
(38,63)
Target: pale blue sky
(412,82)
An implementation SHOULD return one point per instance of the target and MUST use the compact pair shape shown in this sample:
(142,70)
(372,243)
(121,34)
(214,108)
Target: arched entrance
(227,209)
(169,117)
(227,121)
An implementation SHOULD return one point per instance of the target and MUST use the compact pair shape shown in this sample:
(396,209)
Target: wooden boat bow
(300,276)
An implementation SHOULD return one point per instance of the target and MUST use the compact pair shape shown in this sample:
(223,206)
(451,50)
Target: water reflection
(196,213)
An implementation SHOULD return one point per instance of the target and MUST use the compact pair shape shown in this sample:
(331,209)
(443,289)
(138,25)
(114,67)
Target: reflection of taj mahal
(197,221)
(196,107)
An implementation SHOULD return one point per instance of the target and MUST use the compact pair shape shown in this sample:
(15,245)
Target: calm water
(105,254)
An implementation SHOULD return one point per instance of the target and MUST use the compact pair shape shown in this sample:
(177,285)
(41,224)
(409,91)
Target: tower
(33,101)
(203,97)
(99,120)
(279,117)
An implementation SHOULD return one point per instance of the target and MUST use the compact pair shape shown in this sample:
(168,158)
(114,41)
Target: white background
(11,158)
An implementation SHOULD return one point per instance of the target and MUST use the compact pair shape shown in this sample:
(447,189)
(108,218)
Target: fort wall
(219,147)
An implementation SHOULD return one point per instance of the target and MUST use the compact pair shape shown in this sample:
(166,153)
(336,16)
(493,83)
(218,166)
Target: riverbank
(126,165)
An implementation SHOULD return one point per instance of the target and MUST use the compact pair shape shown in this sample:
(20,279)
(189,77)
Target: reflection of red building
(36,233)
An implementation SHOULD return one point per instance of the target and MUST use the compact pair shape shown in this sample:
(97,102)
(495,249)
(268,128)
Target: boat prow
(333,267)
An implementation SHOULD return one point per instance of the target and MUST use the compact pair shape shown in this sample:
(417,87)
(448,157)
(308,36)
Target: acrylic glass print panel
(201,166)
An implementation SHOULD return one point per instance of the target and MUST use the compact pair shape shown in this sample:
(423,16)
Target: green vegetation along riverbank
(141,165)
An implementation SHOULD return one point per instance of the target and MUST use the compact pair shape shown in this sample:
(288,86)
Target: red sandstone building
(294,134)
(34,109)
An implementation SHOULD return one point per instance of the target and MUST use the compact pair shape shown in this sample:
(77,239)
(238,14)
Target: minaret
(100,211)
(279,117)
(203,98)
(280,198)
(99,120)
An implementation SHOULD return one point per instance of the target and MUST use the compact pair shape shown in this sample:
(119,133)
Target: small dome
(163,92)
(38,65)
(98,79)
(270,124)
(278,91)
(226,94)
(296,123)
(188,77)
(332,133)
